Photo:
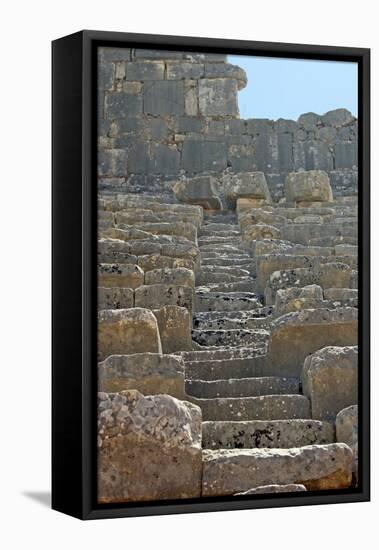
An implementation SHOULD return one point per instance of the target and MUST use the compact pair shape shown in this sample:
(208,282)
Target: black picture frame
(74,272)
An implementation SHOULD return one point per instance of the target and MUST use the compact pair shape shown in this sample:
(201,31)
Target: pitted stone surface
(149,373)
(274,434)
(149,448)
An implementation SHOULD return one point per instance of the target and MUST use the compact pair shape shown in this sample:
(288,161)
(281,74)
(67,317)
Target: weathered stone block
(221,70)
(261,231)
(115,298)
(218,97)
(112,162)
(174,324)
(149,448)
(105,76)
(202,156)
(317,467)
(346,154)
(149,373)
(337,117)
(120,275)
(159,295)
(202,190)
(296,335)
(145,70)
(122,105)
(311,185)
(251,185)
(178,276)
(347,432)
(164,98)
(267,434)
(330,380)
(125,331)
(114,54)
(179,71)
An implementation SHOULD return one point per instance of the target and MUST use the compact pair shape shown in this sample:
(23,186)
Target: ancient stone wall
(163,115)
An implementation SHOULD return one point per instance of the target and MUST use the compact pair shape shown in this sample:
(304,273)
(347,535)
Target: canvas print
(227,275)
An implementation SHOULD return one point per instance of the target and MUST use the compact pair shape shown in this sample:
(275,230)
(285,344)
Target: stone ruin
(227,275)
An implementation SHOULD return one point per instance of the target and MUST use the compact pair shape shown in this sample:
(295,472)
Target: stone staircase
(215,321)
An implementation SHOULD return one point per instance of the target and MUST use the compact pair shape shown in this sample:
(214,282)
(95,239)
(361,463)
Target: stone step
(214,276)
(229,260)
(218,354)
(231,337)
(247,284)
(232,232)
(226,301)
(208,228)
(222,249)
(222,369)
(231,471)
(265,407)
(218,239)
(224,271)
(256,434)
(242,387)
(229,320)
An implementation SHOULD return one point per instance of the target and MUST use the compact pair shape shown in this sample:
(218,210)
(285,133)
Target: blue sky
(286,88)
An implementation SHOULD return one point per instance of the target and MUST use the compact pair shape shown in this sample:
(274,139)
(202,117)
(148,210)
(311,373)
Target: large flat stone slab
(266,407)
(317,467)
(242,387)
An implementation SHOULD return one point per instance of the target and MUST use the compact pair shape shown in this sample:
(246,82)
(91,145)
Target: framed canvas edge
(79,493)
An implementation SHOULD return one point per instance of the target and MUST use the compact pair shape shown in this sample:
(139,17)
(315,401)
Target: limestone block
(265,489)
(201,190)
(145,70)
(222,70)
(311,185)
(347,432)
(341,294)
(184,70)
(201,156)
(296,299)
(296,335)
(149,262)
(120,275)
(164,97)
(149,373)
(174,324)
(243,204)
(114,250)
(270,263)
(254,216)
(330,380)
(115,298)
(250,185)
(317,467)
(337,117)
(268,434)
(112,162)
(122,105)
(149,448)
(178,276)
(261,231)
(218,97)
(159,295)
(126,331)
